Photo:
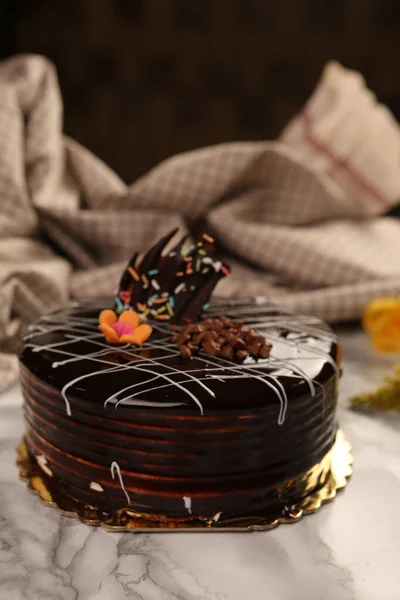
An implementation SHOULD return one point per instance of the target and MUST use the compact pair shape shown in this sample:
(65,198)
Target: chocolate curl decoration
(174,287)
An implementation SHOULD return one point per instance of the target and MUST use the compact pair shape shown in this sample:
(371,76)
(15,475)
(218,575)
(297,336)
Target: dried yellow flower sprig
(386,397)
(382,323)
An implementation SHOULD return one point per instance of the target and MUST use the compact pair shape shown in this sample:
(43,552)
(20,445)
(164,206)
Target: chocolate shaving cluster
(220,337)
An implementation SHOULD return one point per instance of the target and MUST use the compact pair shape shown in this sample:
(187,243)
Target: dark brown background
(144,79)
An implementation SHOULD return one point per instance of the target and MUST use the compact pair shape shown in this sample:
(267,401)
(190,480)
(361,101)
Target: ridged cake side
(230,463)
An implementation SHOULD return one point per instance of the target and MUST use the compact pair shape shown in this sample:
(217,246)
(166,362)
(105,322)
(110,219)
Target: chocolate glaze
(228,446)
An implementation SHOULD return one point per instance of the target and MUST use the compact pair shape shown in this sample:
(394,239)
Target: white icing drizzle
(283,400)
(198,380)
(188,504)
(279,390)
(263,318)
(77,379)
(42,462)
(176,384)
(115,468)
(96,487)
(216,517)
(129,399)
(279,363)
(132,402)
(114,398)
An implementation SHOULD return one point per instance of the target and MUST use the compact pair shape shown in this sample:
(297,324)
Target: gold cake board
(126,520)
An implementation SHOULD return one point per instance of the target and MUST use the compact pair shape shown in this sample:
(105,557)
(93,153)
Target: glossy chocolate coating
(228,446)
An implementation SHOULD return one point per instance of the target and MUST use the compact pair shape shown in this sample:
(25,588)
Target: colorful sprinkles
(133,273)
(178,283)
(119,306)
(208,238)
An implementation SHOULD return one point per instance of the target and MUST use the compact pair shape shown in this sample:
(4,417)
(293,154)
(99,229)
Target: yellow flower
(382,322)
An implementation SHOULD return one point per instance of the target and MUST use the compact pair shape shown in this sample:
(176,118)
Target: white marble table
(349,550)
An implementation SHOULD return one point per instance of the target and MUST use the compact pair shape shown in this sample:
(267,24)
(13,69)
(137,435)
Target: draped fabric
(303,217)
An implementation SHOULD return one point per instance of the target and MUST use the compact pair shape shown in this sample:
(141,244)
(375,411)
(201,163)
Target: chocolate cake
(220,412)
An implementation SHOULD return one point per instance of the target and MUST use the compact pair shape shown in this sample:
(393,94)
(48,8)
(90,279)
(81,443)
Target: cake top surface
(66,350)
(124,355)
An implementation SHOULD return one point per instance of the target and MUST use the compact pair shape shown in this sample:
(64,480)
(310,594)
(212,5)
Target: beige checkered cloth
(305,211)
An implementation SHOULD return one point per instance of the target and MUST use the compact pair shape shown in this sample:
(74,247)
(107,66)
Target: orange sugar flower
(382,322)
(126,329)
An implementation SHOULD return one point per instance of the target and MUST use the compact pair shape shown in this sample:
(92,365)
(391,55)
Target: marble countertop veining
(349,550)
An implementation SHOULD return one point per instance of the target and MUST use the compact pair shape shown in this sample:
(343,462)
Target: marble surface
(349,550)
